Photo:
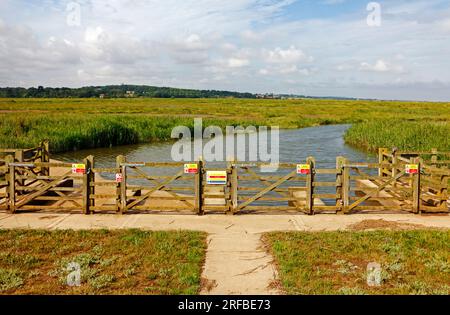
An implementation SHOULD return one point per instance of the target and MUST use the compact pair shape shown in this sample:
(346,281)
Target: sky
(394,49)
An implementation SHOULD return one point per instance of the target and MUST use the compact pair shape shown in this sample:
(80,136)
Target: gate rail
(172,186)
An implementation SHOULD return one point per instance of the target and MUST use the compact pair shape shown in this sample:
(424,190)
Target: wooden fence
(399,181)
(21,156)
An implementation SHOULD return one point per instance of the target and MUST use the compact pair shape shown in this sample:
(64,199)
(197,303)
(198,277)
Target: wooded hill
(117,91)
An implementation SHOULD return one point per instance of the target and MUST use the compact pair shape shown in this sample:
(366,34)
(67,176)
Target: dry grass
(383,225)
(112,262)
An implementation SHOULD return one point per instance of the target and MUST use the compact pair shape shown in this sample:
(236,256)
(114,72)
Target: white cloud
(290,55)
(237,62)
(381,66)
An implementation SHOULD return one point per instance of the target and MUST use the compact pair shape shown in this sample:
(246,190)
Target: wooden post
(416,187)
(339,182)
(310,186)
(45,157)
(381,153)
(345,186)
(122,186)
(19,158)
(434,152)
(199,188)
(86,191)
(394,167)
(11,176)
(91,183)
(234,188)
(444,192)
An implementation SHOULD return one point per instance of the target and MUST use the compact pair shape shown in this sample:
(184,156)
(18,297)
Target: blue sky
(322,47)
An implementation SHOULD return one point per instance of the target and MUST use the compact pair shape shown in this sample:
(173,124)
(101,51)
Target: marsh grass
(412,262)
(72,124)
(112,262)
(403,135)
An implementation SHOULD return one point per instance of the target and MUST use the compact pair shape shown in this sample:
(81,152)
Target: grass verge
(412,262)
(111,262)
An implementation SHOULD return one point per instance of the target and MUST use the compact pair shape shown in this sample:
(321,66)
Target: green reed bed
(405,135)
(87,123)
(74,131)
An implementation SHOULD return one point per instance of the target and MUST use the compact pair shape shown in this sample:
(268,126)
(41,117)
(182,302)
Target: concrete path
(236,262)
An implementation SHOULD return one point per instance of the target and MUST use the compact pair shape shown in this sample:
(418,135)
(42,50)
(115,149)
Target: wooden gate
(29,189)
(367,187)
(157,186)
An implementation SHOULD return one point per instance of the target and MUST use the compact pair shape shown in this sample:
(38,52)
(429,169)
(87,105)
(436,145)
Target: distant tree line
(117,91)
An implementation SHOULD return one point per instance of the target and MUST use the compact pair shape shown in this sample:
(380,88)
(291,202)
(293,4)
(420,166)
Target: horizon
(384,50)
(332,97)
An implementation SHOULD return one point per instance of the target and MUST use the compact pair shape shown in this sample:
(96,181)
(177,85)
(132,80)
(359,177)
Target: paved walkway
(236,262)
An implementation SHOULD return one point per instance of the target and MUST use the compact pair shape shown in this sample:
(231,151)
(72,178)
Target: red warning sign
(303,169)
(190,168)
(78,168)
(119,178)
(412,169)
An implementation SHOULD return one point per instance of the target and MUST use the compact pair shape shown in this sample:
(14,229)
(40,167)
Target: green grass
(412,262)
(405,135)
(70,132)
(86,123)
(112,262)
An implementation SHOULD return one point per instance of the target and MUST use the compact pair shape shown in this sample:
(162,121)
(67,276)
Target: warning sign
(119,178)
(303,169)
(78,168)
(412,169)
(190,168)
(216,177)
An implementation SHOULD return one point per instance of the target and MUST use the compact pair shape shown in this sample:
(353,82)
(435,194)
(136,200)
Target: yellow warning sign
(412,169)
(303,169)
(190,168)
(78,168)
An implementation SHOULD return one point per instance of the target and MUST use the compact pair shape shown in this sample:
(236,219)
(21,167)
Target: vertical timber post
(122,186)
(339,183)
(45,157)
(19,158)
(444,192)
(310,186)
(199,187)
(381,153)
(394,167)
(91,201)
(86,190)
(345,186)
(234,188)
(12,183)
(416,187)
(434,153)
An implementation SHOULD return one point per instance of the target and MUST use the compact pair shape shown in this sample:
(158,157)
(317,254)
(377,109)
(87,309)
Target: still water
(324,143)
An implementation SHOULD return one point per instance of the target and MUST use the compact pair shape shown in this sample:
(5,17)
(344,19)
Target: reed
(403,135)
(72,124)
(78,131)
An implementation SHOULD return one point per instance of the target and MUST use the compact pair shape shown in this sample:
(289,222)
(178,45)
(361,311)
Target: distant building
(101,96)
(268,96)
(129,94)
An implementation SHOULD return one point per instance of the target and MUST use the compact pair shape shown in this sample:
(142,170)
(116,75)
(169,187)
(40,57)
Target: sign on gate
(190,168)
(119,178)
(412,169)
(78,168)
(303,169)
(216,177)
